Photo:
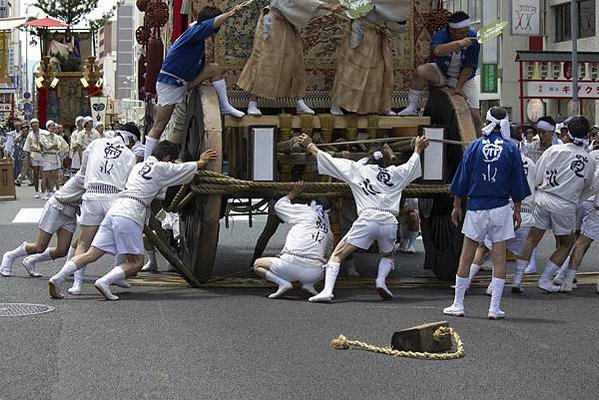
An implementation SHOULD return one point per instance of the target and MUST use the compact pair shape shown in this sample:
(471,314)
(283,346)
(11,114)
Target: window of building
(472,7)
(586,20)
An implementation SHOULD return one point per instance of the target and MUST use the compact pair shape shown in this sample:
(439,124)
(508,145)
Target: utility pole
(574,34)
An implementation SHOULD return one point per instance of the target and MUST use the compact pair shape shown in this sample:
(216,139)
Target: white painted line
(28,216)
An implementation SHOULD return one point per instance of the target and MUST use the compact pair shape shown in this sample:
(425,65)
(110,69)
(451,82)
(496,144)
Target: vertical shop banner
(488,80)
(526,17)
(4,49)
(3,8)
(99,107)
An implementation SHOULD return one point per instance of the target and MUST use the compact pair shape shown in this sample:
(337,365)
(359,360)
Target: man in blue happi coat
(184,67)
(492,180)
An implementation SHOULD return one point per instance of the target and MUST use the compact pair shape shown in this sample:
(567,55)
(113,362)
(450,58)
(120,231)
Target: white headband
(377,155)
(34,120)
(126,134)
(578,141)
(504,124)
(546,126)
(50,122)
(459,25)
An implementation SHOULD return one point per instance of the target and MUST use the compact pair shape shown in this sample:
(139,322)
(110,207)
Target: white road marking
(28,216)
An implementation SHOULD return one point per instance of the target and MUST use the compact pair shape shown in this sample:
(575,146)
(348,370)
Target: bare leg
(41,244)
(163,115)
(36,178)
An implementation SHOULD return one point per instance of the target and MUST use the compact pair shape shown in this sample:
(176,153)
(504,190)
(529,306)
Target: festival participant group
(509,188)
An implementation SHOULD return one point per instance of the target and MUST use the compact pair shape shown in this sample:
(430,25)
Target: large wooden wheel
(442,240)
(200,218)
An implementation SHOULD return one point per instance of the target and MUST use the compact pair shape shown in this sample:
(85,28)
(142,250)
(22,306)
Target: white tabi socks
(55,282)
(474,268)
(457,308)
(284,285)
(150,144)
(77,282)
(225,107)
(302,108)
(532,264)
(103,284)
(331,272)
(412,108)
(521,266)
(336,110)
(411,247)
(9,257)
(71,253)
(385,267)
(30,261)
(152,264)
(253,108)
(568,283)
(309,288)
(497,285)
(561,273)
(545,282)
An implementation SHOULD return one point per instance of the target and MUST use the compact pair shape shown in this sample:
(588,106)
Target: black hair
(515,133)
(458,16)
(578,126)
(547,119)
(325,202)
(383,162)
(166,148)
(498,112)
(207,13)
(132,128)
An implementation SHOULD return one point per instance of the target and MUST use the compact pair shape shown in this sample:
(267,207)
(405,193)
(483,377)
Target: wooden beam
(340,122)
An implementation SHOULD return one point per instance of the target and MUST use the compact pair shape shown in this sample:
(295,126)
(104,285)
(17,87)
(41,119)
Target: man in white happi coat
(589,232)
(565,177)
(377,187)
(307,245)
(58,217)
(121,231)
(106,166)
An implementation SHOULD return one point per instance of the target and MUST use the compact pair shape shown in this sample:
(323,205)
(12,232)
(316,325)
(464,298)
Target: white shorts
(582,211)
(36,163)
(363,233)
(169,94)
(497,224)
(94,211)
(471,88)
(560,224)
(53,219)
(119,235)
(51,166)
(515,245)
(590,225)
(295,273)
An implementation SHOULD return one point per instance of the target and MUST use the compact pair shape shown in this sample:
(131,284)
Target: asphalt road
(183,343)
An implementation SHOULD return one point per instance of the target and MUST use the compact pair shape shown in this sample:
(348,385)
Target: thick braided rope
(342,343)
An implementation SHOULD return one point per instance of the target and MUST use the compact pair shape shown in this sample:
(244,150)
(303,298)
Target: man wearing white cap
(456,52)
(84,137)
(74,153)
(52,147)
(489,176)
(100,129)
(106,166)
(33,148)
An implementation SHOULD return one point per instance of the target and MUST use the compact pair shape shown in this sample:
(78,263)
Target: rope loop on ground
(343,343)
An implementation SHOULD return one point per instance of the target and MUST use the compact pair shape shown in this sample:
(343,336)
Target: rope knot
(340,343)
